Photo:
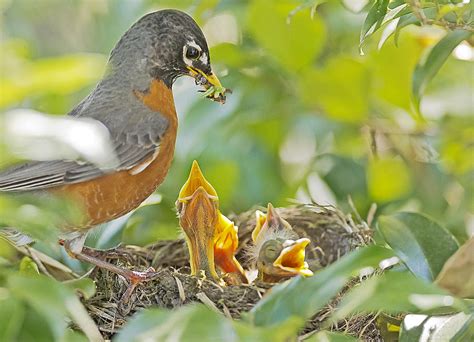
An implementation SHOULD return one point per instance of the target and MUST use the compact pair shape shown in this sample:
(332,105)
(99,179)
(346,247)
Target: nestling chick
(211,237)
(280,254)
(226,242)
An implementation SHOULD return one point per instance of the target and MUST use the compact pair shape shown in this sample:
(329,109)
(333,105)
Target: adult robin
(134,100)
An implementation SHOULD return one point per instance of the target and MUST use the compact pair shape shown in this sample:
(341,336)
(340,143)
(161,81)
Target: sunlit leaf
(428,68)
(12,313)
(420,242)
(388,179)
(302,297)
(60,75)
(45,296)
(392,69)
(457,144)
(374,19)
(324,87)
(35,216)
(407,17)
(28,266)
(197,321)
(456,328)
(294,44)
(54,302)
(390,292)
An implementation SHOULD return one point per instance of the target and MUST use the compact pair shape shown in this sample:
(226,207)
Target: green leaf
(54,301)
(422,244)
(392,70)
(45,296)
(60,75)
(408,18)
(459,327)
(198,322)
(374,19)
(342,75)
(12,313)
(35,216)
(28,267)
(294,44)
(393,292)
(388,179)
(302,297)
(427,69)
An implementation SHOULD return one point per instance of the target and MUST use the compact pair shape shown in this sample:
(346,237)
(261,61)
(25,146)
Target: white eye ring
(191,46)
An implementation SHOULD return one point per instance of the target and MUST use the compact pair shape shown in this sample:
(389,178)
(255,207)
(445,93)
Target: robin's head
(164,45)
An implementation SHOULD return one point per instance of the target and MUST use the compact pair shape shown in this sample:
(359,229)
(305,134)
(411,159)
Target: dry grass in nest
(332,235)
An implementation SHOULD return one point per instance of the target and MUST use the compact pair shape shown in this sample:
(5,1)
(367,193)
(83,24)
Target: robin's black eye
(192,52)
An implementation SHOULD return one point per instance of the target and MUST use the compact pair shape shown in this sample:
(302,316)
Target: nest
(332,235)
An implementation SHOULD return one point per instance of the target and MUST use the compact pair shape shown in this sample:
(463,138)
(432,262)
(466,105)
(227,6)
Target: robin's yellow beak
(226,242)
(292,257)
(198,216)
(213,88)
(197,74)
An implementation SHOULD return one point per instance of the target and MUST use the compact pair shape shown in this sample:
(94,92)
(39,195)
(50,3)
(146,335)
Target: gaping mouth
(292,257)
(226,242)
(198,215)
(213,88)
(260,219)
(195,180)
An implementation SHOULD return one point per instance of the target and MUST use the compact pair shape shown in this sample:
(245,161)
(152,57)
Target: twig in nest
(207,302)
(182,295)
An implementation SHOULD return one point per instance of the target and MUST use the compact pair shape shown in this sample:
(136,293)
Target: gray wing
(135,141)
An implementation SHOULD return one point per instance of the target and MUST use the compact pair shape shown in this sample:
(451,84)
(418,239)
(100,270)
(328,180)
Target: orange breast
(114,195)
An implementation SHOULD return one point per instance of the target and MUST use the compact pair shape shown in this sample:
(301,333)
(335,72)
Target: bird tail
(15,237)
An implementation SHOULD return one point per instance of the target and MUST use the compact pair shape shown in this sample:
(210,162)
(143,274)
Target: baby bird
(226,242)
(211,237)
(279,252)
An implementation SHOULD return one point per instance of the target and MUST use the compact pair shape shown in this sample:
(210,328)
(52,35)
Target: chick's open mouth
(292,258)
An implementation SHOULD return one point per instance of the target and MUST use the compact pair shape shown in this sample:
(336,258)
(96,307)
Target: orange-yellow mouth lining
(195,180)
(260,219)
(292,257)
(226,235)
(225,239)
(226,242)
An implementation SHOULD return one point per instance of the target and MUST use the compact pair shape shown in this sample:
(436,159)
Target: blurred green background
(311,118)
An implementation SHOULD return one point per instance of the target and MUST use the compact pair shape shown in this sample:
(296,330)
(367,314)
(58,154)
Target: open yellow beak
(198,219)
(292,257)
(195,180)
(198,216)
(212,78)
(260,219)
(226,242)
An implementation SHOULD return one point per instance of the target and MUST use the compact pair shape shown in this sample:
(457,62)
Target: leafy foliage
(310,118)
(424,254)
